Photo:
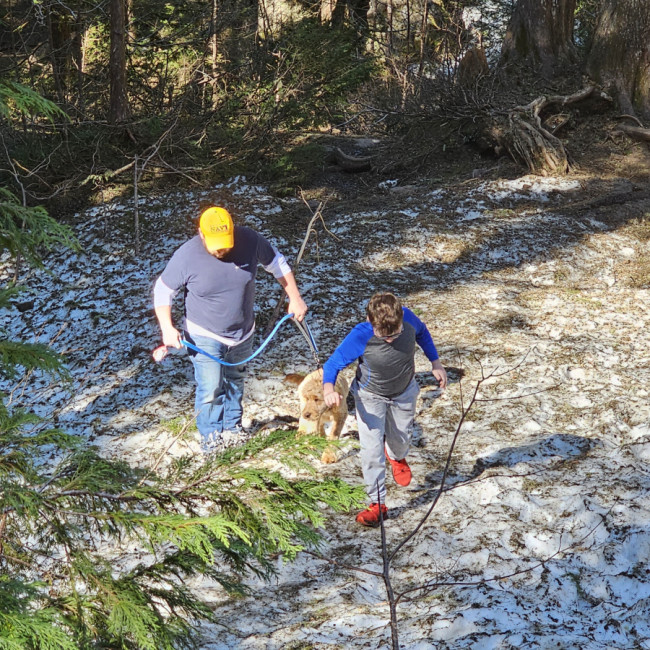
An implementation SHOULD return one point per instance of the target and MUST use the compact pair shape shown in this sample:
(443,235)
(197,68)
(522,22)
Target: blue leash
(302,326)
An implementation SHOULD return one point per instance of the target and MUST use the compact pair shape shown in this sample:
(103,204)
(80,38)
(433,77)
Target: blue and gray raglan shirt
(384,368)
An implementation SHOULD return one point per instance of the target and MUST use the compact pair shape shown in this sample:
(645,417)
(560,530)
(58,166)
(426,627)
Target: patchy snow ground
(557,482)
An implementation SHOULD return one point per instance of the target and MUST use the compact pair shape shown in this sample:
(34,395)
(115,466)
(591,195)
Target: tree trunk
(620,53)
(129,22)
(389,26)
(540,33)
(214,40)
(376,19)
(119,103)
(58,22)
(359,15)
(79,56)
(423,38)
(335,12)
(237,22)
(214,53)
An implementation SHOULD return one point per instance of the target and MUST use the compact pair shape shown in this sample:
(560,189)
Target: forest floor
(543,529)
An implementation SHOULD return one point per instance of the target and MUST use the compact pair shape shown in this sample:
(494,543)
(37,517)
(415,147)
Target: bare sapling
(394,597)
(315,216)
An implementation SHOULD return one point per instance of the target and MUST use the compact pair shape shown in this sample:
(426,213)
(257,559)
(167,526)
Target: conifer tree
(96,553)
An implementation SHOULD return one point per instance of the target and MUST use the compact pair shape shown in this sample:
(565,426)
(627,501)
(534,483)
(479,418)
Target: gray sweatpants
(383,421)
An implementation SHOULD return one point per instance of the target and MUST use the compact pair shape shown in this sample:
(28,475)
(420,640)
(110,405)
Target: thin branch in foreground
(464,412)
(318,214)
(392,602)
(389,557)
(540,563)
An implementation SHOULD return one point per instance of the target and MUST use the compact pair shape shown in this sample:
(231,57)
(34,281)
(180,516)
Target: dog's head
(312,407)
(312,404)
(315,417)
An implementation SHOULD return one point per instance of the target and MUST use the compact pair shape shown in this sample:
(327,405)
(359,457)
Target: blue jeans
(219,389)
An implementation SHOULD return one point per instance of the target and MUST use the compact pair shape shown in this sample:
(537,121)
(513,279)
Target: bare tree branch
(318,214)
(539,563)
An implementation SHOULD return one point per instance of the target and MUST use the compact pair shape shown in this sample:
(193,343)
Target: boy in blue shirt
(385,391)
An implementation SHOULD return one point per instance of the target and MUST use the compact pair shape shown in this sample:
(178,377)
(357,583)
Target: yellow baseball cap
(217,228)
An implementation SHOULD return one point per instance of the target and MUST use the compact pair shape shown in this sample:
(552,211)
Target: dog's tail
(294,378)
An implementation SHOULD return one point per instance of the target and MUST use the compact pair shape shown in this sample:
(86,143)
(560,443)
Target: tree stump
(530,143)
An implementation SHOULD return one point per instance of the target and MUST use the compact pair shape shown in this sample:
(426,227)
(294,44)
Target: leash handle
(309,337)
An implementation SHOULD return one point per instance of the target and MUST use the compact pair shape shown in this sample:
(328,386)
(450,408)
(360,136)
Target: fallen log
(639,133)
(350,164)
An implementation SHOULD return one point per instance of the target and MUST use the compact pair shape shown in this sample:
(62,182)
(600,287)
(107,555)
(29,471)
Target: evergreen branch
(6,294)
(23,627)
(17,98)
(247,514)
(29,356)
(192,535)
(93,494)
(30,230)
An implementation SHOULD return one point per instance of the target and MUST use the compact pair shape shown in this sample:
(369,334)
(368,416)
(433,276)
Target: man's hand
(439,373)
(297,305)
(171,337)
(331,397)
(298,308)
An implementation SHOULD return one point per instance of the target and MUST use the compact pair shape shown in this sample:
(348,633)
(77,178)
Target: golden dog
(314,415)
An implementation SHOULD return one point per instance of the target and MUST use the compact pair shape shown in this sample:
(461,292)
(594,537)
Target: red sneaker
(370,517)
(401,470)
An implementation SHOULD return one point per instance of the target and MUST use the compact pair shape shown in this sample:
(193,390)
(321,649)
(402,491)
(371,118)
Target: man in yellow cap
(217,270)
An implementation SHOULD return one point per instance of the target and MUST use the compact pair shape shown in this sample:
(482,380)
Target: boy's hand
(439,373)
(331,397)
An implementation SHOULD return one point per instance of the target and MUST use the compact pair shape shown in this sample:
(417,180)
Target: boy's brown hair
(385,313)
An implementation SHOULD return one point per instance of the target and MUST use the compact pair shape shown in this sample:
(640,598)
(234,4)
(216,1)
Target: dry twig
(393,599)
(310,228)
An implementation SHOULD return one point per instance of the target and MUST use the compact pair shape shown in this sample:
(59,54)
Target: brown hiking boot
(370,516)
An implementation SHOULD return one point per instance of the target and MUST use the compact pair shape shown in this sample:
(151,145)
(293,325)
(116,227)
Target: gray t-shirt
(220,293)
(388,368)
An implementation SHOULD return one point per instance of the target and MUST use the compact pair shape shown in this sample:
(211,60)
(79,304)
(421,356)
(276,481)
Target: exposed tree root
(531,143)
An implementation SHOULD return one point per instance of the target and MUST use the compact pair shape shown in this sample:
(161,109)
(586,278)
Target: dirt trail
(538,276)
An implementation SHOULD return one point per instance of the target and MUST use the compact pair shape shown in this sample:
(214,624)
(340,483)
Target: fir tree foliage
(95,553)
(29,356)
(16,98)
(30,231)
(104,551)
